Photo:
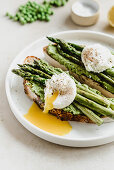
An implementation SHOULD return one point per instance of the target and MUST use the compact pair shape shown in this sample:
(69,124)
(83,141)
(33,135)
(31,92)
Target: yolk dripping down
(47,122)
(49,101)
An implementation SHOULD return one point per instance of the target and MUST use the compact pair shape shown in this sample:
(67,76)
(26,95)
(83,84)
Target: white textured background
(19,149)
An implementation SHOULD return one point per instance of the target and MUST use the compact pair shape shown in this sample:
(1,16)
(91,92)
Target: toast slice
(60,114)
(83,79)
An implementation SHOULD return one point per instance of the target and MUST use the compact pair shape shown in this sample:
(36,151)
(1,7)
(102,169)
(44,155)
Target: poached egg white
(97,58)
(66,88)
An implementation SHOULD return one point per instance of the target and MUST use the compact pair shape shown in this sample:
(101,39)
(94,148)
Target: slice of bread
(83,79)
(60,114)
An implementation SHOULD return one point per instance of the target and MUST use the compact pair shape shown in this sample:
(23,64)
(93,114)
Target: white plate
(82,135)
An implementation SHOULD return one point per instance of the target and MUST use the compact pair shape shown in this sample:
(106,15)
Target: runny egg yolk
(47,122)
(49,101)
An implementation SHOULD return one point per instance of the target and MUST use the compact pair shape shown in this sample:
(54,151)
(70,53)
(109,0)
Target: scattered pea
(47,19)
(23,22)
(29,16)
(39,16)
(15,18)
(35,18)
(10,16)
(31,20)
(33,11)
(7,14)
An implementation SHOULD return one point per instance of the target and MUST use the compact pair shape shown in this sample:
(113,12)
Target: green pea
(43,17)
(42,13)
(7,14)
(30,3)
(21,7)
(10,17)
(23,22)
(44,2)
(15,18)
(17,14)
(25,16)
(63,2)
(27,19)
(36,7)
(21,18)
(29,8)
(35,18)
(29,16)
(39,16)
(31,20)
(41,9)
(47,19)
(34,3)
(24,11)
(50,12)
(52,2)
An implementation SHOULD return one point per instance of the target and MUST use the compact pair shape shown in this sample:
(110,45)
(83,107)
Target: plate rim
(32,128)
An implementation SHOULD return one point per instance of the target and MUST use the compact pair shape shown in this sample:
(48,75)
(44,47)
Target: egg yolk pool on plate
(60,92)
(46,121)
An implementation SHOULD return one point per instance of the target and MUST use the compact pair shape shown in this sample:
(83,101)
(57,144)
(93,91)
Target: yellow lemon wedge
(111,16)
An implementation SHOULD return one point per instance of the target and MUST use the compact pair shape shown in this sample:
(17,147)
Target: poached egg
(97,58)
(60,92)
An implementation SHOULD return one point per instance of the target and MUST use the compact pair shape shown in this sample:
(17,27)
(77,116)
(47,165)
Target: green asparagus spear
(29,76)
(58,41)
(94,106)
(110,72)
(45,68)
(96,119)
(68,56)
(99,99)
(51,68)
(108,79)
(29,68)
(77,47)
(42,67)
(108,87)
(66,47)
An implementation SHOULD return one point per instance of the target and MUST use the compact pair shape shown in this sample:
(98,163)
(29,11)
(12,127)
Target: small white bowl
(85,12)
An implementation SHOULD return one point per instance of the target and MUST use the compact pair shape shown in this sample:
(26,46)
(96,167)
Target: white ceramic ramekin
(82,19)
